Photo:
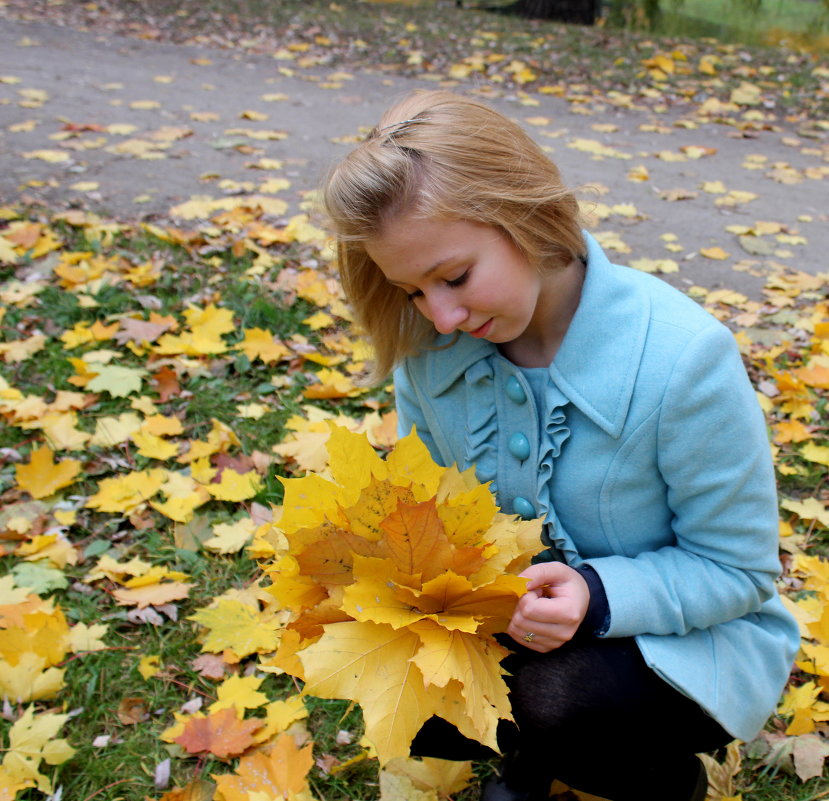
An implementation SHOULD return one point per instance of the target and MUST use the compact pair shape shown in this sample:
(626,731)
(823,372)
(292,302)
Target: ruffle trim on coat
(481,422)
(554,433)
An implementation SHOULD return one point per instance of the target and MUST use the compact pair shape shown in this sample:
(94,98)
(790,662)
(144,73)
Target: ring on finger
(529,636)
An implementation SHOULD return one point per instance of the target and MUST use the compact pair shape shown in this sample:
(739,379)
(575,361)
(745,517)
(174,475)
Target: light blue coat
(653,467)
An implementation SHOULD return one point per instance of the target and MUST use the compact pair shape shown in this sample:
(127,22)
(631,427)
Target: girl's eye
(460,280)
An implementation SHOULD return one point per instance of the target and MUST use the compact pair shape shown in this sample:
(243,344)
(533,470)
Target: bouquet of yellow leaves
(395,576)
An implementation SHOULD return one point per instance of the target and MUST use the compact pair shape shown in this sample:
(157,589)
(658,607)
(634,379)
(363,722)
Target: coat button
(515,392)
(519,446)
(521,506)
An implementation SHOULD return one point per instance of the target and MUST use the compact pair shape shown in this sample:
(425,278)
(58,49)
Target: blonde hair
(441,156)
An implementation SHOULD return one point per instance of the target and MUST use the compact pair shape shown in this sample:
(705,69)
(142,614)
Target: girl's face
(462,276)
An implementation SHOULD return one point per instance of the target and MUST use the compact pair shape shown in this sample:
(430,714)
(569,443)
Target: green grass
(737,21)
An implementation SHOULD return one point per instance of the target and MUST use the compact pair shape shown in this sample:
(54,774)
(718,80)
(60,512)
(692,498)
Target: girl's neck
(557,303)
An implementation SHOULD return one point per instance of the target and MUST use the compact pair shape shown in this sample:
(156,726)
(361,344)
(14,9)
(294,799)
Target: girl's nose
(446,315)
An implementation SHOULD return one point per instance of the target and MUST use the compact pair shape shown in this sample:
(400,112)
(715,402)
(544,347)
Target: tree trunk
(582,12)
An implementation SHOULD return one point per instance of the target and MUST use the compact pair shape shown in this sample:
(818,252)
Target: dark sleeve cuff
(597,619)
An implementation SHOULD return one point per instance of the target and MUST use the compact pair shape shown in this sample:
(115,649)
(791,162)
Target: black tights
(593,715)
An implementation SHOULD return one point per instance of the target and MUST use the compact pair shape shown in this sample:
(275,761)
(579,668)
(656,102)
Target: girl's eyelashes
(454,282)
(460,280)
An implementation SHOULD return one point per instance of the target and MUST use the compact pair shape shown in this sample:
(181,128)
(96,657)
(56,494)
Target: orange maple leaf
(223,734)
(280,773)
(416,539)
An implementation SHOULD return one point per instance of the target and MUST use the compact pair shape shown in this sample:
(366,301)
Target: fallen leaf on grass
(196,790)
(152,594)
(281,773)
(132,711)
(31,741)
(235,626)
(222,734)
(239,693)
(42,476)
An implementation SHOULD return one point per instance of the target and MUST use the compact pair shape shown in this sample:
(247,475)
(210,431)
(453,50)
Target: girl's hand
(552,609)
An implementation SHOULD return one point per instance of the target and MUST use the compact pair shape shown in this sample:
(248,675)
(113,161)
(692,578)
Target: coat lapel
(599,358)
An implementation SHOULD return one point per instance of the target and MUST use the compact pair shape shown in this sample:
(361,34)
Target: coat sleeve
(715,460)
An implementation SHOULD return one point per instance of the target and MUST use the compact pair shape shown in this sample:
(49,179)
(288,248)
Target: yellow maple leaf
(149,666)
(9,787)
(161,426)
(716,253)
(655,265)
(115,429)
(60,430)
(124,493)
(42,631)
(30,743)
(816,659)
(279,715)
(235,486)
(746,94)
(808,509)
(231,537)
(280,773)
(42,476)
(815,453)
(261,344)
(21,349)
(107,567)
(154,447)
(347,662)
(53,547)
(332,383)
(30,679)
(83,637)
(239,692)
(152,594)
(235,626)
(181,508)
(444,777)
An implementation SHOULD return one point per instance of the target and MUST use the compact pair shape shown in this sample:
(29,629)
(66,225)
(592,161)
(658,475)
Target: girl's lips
(483,330)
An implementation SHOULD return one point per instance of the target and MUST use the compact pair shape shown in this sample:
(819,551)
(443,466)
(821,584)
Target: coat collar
(597,363)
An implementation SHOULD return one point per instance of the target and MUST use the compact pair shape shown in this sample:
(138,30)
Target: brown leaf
(223,734)
(166,383)
(211,666)
(139,331)
(809,752)
(326,762)
(132,711)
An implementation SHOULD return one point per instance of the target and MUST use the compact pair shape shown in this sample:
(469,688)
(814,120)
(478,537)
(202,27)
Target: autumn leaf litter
(156,377)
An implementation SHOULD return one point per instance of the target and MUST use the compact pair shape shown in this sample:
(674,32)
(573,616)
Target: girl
(606,403)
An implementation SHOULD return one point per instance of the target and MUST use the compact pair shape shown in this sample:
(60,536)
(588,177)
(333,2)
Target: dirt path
(135,128)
